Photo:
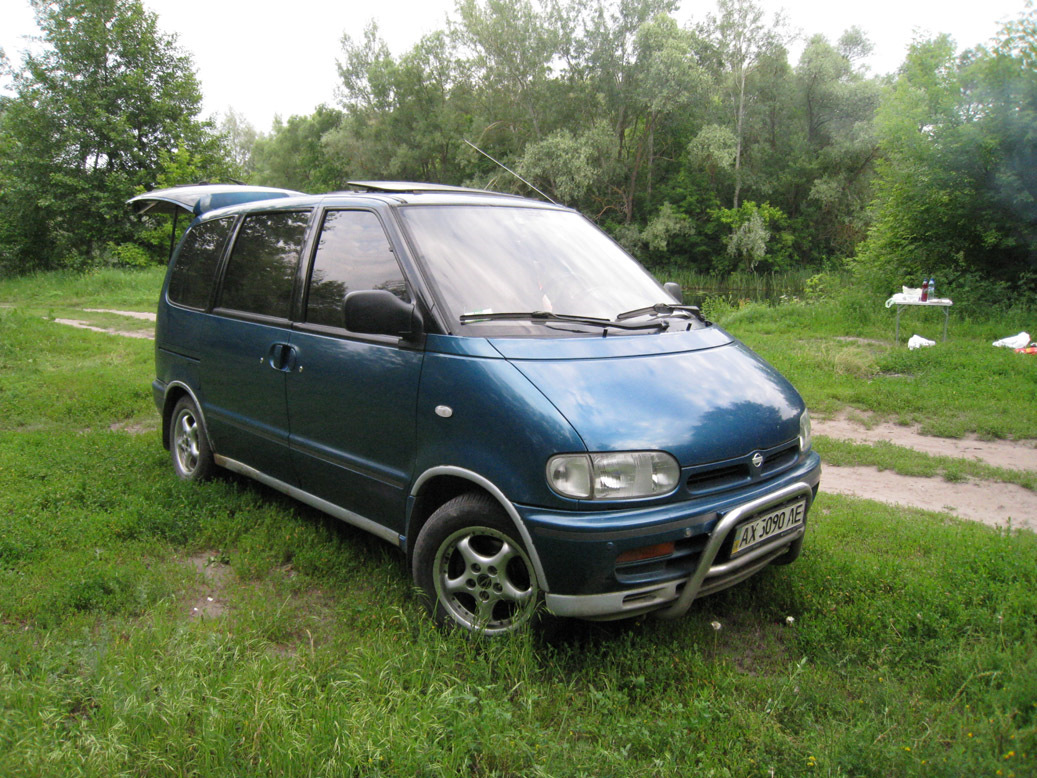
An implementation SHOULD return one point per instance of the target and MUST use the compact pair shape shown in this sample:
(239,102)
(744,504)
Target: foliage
(239,140)
(758,238)
(612,107)
(293,155)
(93,114)
(127,255)
(956,191)
(697,144)
(745,43)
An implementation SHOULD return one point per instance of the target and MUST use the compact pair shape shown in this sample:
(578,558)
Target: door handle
(282,356)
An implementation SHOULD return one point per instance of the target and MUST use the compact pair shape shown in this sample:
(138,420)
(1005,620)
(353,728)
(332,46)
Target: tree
(758,237)
(92,116)
(404,118)
(956,193)
(239,139)
(571,166)
(294,156)
(513,43)
(743,40)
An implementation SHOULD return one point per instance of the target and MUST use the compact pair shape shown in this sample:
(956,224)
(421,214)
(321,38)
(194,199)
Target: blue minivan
(489,383)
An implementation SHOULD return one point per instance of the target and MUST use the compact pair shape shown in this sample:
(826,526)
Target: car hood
(701,395)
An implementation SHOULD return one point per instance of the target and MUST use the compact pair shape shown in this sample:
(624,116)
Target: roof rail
(403,187)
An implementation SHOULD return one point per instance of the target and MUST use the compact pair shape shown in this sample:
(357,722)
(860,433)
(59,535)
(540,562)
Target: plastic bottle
(925,289)
(932,288)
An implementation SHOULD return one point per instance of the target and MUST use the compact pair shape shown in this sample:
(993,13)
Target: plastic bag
(917,341)
(1022,340)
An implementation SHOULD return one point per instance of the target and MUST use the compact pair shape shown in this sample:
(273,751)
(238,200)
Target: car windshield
(513,259)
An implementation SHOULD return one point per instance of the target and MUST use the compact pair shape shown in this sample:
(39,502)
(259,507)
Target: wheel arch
(174,391)
(439,485)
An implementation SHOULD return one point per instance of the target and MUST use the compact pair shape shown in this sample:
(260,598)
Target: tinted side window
(262,263)
(353,254)
(191,280)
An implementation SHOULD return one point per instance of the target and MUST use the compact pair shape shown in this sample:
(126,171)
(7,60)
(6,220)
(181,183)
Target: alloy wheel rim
(186,442)
(483,579)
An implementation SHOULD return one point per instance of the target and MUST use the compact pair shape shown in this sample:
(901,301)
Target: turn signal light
(646,552)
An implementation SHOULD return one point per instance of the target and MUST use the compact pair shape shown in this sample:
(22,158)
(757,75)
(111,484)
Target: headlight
(613,476)
(804,431)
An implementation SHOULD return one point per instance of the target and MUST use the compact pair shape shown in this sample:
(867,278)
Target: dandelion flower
(790,620)
(716,626)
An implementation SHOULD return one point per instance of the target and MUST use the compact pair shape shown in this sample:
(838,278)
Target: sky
(281,61)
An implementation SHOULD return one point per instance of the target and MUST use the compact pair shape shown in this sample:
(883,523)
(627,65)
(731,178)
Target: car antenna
(520,178)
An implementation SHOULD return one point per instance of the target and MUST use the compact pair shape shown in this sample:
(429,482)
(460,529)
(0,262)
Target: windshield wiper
(546,317)
(662,309)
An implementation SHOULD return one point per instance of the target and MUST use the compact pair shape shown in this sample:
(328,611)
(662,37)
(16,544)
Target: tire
(474,572)
(188,443)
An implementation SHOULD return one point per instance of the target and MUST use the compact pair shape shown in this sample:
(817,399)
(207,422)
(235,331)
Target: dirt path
(82,325)
(990,502)
(85,325)
(997,504)
(1013,455)
(143,316)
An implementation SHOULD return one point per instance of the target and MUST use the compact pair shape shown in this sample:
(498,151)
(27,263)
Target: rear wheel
(188,443)
(474,571)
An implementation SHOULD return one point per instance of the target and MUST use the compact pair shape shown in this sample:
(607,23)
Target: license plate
(769,525)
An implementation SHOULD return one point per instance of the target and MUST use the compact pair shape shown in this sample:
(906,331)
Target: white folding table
(937,303)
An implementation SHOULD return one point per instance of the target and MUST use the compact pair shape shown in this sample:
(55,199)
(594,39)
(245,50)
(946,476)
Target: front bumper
(579,553)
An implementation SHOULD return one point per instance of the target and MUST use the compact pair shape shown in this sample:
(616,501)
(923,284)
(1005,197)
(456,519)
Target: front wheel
(473,570)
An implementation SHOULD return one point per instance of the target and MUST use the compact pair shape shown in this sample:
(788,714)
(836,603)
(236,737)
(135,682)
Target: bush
(127,255)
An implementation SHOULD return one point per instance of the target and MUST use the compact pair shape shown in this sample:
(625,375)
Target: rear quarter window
(190,282)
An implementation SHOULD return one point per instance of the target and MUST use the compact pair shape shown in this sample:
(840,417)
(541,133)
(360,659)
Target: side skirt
(361,522)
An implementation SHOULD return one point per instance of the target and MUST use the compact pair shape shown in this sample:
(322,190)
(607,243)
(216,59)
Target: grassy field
(154,628)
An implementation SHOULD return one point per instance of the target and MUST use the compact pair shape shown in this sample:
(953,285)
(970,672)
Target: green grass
(57,377)
(101,288)
(911,650)
(841,355)
(906,461)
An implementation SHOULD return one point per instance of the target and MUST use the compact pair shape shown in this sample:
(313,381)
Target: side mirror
(674,290)
(378,312)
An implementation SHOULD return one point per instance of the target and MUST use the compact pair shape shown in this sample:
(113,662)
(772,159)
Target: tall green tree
(94,115)
(239,140)
(614,108)
(293,155)
(744,40)
(511,46)
(956,194)
(403,117)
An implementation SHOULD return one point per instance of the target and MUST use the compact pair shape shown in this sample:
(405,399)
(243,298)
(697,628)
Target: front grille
(780,459)
(718,479)
(733,473)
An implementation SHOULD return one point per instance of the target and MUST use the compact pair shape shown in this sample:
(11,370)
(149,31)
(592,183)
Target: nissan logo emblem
(757,460)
